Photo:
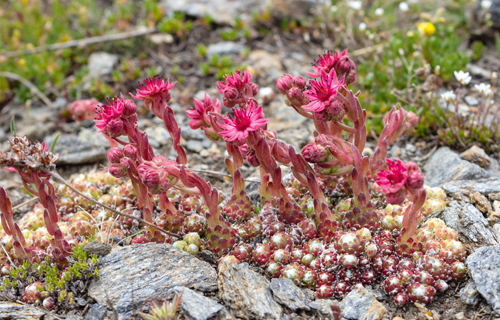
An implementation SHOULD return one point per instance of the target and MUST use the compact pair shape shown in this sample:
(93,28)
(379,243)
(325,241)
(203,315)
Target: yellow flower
(21,62)
(426,28)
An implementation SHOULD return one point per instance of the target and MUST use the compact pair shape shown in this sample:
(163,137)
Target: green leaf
(29,193)
(12,126)
(53,146)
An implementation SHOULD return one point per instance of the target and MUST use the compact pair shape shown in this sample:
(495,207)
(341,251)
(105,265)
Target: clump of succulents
(45,285)
(338,221)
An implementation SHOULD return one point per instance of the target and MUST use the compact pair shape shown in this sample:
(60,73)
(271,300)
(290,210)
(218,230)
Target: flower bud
(315,153)
(415,180)
(397,197)
(299,82)
(252,159)
(284,83)
(117,170)
(49,303)
(230,93)
(114,128)
(345,66)
(114,155)
(295,93)
(129,108)
(130,151)
(149,175)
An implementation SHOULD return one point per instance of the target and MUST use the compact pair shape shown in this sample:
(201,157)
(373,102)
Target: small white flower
(484,88)
(486,4)
(379,11)
(334,8)
(354,4)
(362,26)
(463,77)
(449,96)
(403,6)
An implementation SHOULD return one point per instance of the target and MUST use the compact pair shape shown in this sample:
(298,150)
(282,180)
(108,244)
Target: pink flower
(237,89)
(156,94)
(200,114)
(83,109)
(322,92)
(111,119)
(340,62)
(324,63)
(393,178)
(245,120)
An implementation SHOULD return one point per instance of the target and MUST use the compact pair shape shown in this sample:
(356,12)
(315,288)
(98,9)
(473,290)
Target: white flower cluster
(463,77)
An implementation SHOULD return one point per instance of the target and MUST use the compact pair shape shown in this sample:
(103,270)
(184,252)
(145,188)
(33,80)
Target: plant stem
(61,179)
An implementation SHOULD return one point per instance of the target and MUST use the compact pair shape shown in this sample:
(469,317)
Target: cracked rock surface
(134,276)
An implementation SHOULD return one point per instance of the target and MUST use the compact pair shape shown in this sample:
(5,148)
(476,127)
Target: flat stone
(363,305)
(224,47)
(494,196)
(469,222)
(196,306)
(444,165)
(73,150)
(469,294)
(481,202)
(101,63)
(288,294)
(97,248)
(96,312)
(471,101)
(246,293)
(134,275)
(483,186)
(476,155)
(324,307)
(11,311)
(484,266)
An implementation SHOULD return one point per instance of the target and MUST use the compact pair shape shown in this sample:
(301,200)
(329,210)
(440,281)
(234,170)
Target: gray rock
(471,101)
(96,312)
(188,133)
(496,229)
(97,248)
(224,47)
(11,310)
(197,306)
(288,294)
(469,223)
(363,305)
(101,63)
(194,145)
(469,294)
(73,150)
(483,186)
(476,155)
(323,306)
(444,165)
(246,292)
(484,266)
(133,275)
(221,11)
(294,9)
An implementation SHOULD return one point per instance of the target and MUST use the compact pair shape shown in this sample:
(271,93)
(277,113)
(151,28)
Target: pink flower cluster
(238,89)
(399,179)
(340,62)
